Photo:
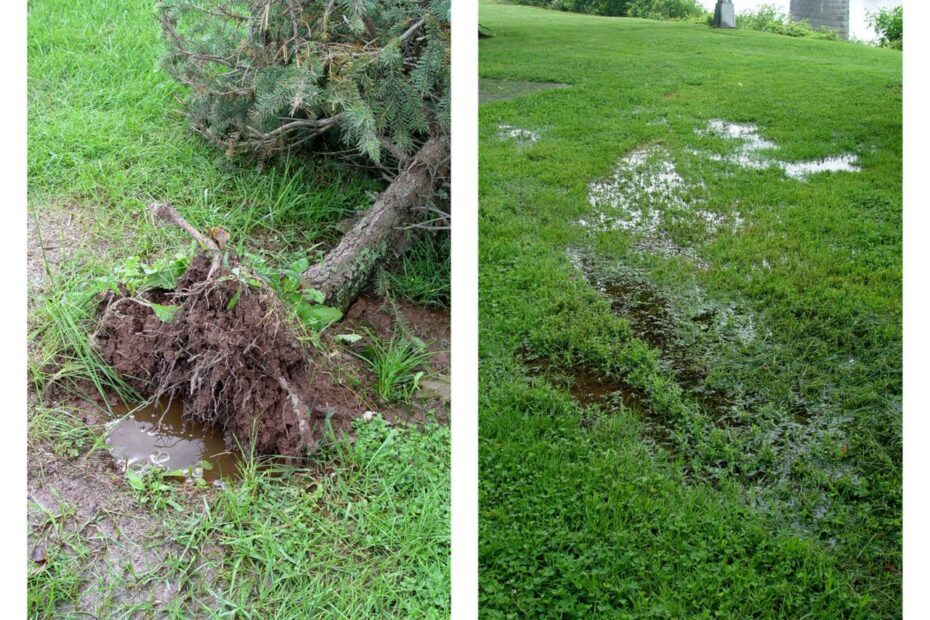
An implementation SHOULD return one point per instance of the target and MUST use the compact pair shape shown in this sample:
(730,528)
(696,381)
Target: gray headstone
(724,15)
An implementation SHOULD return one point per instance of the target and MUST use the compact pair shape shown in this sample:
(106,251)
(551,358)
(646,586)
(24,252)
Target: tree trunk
(345,269)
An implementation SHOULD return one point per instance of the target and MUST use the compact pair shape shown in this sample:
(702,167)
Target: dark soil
(237,365)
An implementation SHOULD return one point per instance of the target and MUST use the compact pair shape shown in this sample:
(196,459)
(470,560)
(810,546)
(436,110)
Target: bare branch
(164,211)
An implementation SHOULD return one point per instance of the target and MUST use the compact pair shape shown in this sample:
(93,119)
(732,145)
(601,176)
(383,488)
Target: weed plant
(396,364)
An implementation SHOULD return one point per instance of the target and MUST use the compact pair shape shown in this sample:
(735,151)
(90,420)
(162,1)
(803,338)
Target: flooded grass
(693,270)
(679,328)
(757,153)
(522,137)
(607,395)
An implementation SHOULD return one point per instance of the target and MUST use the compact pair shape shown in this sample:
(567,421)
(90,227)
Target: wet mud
(592,388)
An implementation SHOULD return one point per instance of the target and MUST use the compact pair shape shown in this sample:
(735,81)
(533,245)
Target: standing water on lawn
(157,435)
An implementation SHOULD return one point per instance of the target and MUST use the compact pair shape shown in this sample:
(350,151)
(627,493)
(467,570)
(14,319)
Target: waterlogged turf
(690,322)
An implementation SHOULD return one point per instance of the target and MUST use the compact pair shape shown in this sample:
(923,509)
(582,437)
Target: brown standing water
(157,435)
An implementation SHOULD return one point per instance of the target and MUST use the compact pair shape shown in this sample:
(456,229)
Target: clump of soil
(229,355)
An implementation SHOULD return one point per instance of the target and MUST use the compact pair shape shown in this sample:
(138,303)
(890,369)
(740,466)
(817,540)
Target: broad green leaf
(135,480)
(314,295)
(165,313)
(318,317)
(299,266)
(350,338)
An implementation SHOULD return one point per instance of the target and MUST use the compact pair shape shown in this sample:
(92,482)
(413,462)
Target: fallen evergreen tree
(370,78)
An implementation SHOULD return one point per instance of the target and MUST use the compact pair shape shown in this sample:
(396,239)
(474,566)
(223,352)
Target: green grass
(65,357)
(362,530)
(366,531)
(754,469)
(397,365)
(58,578)
(105,131)
(284,533)
(63,432)
(424,273)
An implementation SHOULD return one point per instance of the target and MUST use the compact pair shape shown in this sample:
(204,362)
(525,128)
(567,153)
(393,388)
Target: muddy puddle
(680,336)
(587,386)
(498,90)
(156,435)
(591,388)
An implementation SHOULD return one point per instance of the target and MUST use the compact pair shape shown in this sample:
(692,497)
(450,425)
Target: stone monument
(725,15)
(832,14)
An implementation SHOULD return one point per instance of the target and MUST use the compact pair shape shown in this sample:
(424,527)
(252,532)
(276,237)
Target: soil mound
(228,354)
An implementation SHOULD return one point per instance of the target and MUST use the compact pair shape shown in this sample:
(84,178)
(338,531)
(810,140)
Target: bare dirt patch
(384,319)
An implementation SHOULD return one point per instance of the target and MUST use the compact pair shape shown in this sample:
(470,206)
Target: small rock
(439,388)
(38,554)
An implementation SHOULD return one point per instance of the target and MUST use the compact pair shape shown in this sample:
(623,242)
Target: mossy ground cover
(644,226)
(360,529)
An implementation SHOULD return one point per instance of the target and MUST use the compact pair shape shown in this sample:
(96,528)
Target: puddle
(589,388)
(752,147)
(156,435)
(643,308)
(753,152)
(642,184)
(632,298)
(802,169)
(522,137)
(646,195)
(498,90)
(680,330)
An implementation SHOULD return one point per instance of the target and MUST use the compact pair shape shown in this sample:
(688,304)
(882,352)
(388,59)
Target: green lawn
(742,327)
(363,530)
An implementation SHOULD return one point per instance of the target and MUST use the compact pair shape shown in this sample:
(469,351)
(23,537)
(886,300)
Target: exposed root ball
(228,354)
